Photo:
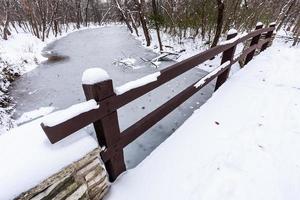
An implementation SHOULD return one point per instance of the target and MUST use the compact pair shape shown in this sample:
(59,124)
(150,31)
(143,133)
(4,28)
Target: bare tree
(156,16)
(6,32)
(140,7)
(285,13)
(220,6)
(124,14)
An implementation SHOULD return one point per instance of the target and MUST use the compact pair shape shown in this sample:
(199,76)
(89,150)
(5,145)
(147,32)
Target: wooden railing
(105,118)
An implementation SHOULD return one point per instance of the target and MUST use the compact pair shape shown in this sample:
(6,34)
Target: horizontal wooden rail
(137,129)
(175,70)
(105,117)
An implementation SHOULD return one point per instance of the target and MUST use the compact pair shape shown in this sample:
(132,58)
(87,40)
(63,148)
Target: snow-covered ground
(241,144)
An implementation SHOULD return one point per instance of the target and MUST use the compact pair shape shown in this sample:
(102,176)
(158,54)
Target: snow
(128,61)
(137,83)
(28,116)
(231,31)
(22,49)
(232,40)
(66,114)
(273,23)
(211,74)
(94,75)
(243,143)
(27,156)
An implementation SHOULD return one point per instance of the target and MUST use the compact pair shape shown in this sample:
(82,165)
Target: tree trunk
(133,24)
(124,16)
(155,13)
(6,32)
(86,12)
(140,5)
(285,14)
(78,13)
(219,22)
(296,39)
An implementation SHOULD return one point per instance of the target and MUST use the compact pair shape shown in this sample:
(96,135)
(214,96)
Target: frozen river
(58,84)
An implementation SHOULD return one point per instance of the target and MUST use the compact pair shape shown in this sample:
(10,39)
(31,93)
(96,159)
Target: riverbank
(18,55)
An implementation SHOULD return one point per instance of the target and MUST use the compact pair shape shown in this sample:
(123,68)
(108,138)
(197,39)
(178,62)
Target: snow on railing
(211,74)
(61,116)
(137,83)
(233,39)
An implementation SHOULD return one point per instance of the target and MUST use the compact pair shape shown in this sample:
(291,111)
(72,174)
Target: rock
(84,179)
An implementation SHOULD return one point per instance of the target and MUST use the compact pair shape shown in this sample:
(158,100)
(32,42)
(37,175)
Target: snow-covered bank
(27,156)
(241,144)
(18,55)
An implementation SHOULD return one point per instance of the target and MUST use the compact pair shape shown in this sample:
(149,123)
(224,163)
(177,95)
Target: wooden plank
(268,36)
(66,128)
(107,128)
(254,41)
(227,56)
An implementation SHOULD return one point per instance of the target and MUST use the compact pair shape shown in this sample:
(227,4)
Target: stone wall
(84,179)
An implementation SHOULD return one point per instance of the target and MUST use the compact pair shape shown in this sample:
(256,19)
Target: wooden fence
(105,118)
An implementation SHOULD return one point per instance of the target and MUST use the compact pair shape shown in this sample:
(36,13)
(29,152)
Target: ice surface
(137,83)
(241,144)
(64,115)
(94,75)
(128,61)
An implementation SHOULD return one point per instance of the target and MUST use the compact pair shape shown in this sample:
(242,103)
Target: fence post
(254,41)
(107,129)
(268,35)
(227,56)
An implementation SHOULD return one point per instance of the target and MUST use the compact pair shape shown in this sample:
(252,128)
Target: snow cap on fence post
(232,31)
(259,24)
(92,76)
